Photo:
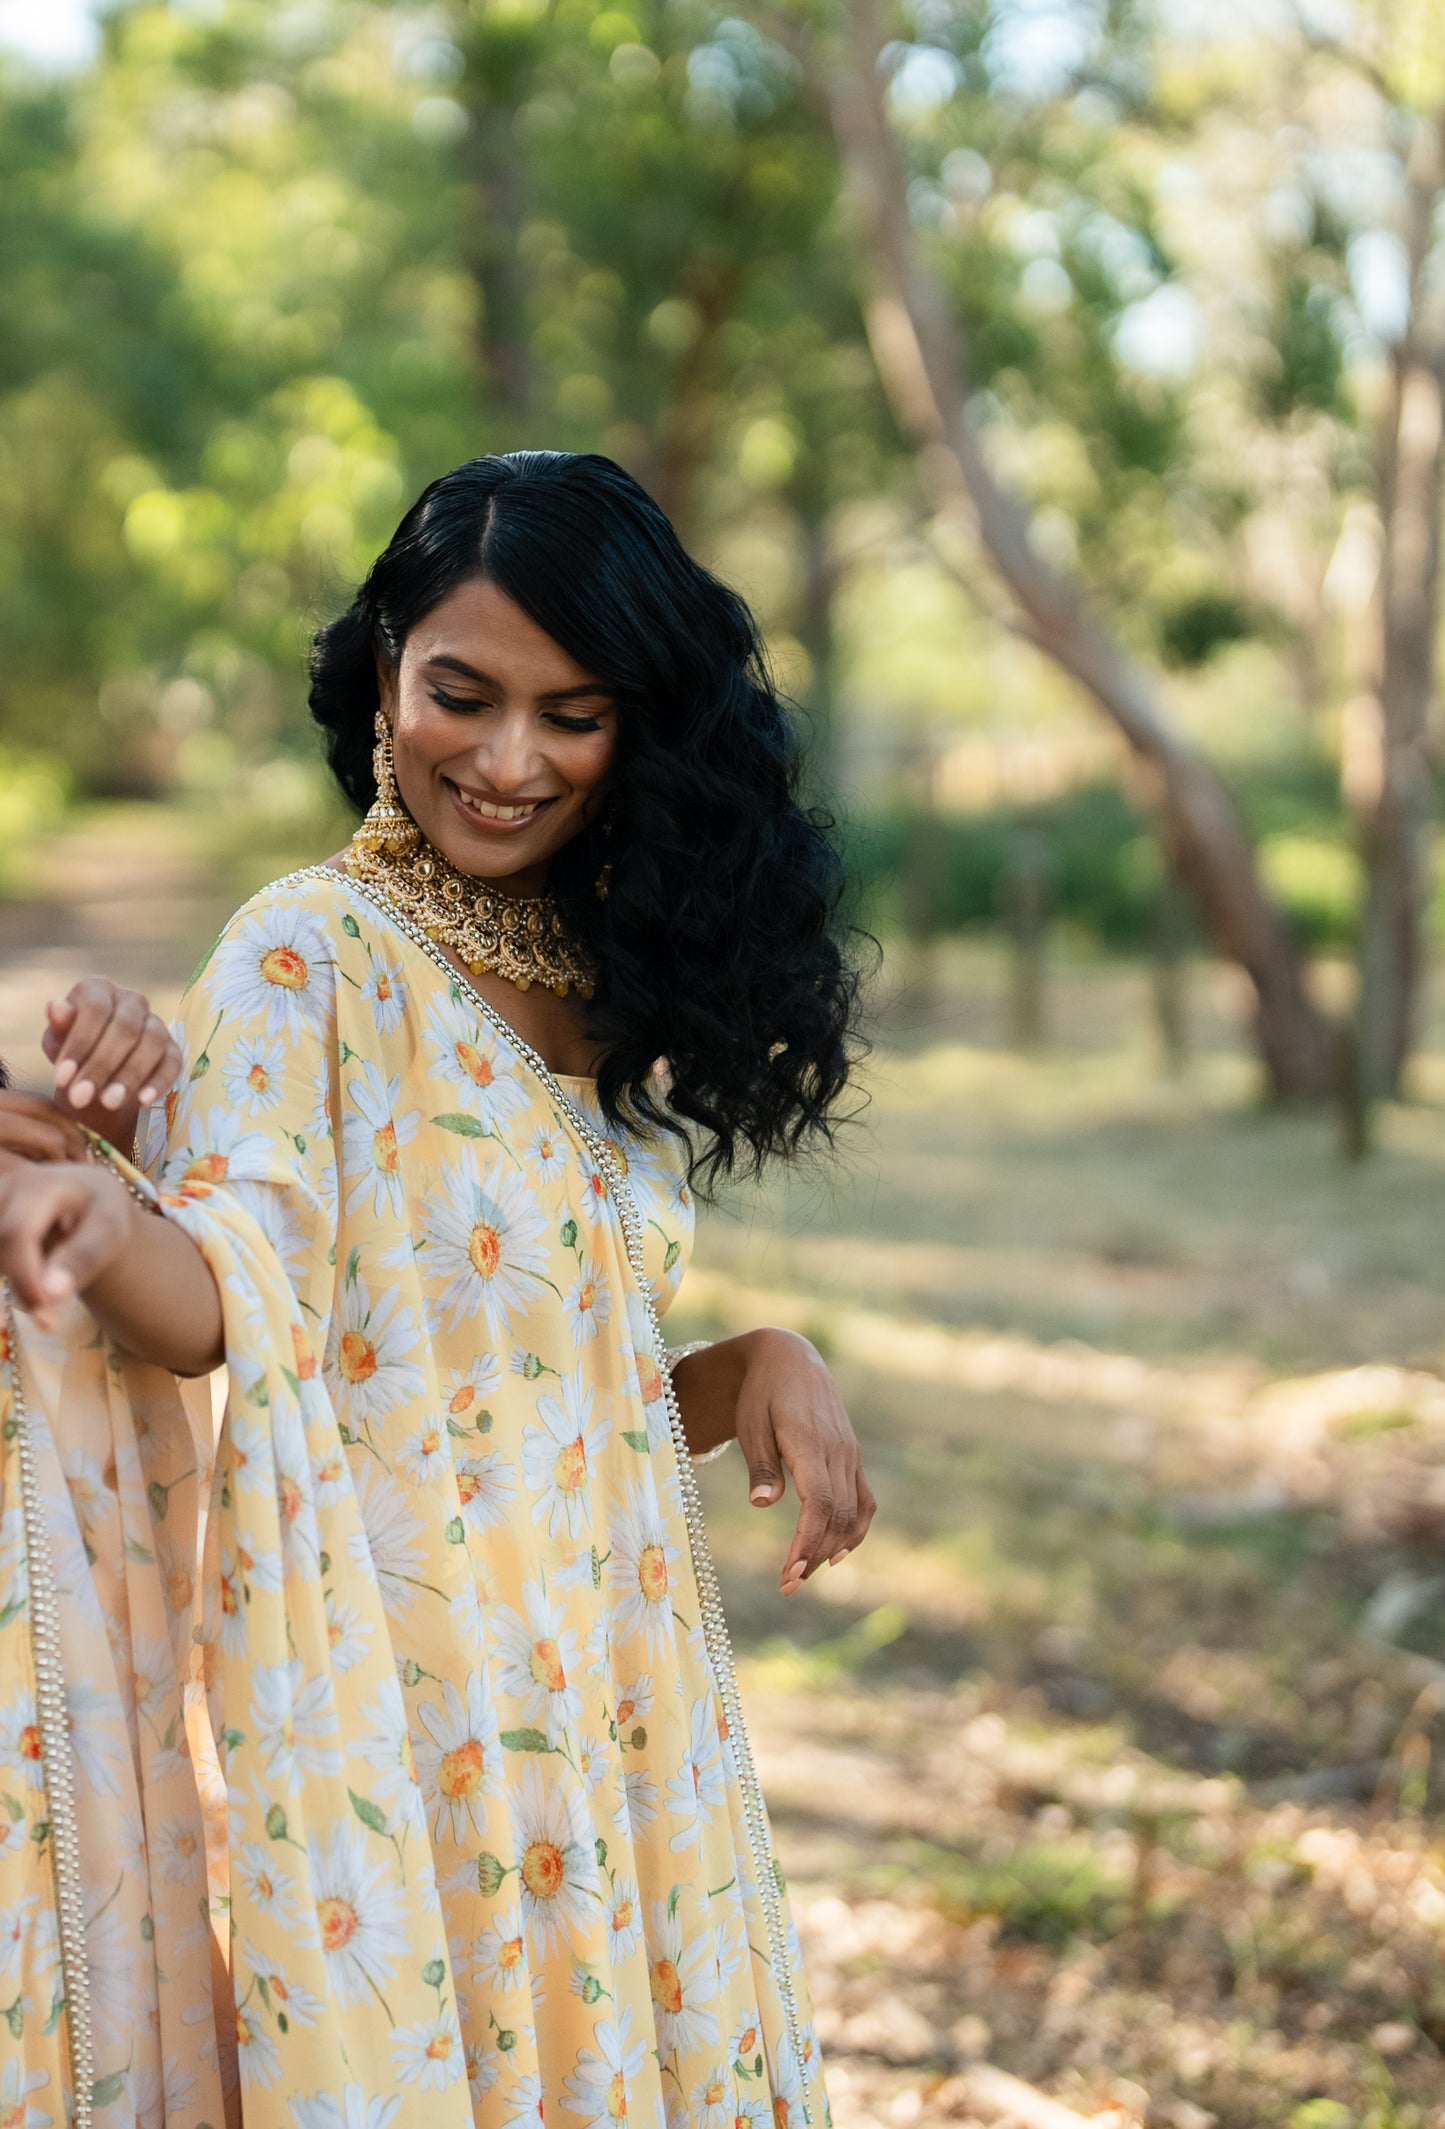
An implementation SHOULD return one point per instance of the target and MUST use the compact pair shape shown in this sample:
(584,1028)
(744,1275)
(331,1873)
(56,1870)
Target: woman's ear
(386,678)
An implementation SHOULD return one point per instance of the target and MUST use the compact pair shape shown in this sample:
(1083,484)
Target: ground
(1109,1759)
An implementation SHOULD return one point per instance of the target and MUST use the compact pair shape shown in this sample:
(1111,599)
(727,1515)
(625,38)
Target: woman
(495,1843)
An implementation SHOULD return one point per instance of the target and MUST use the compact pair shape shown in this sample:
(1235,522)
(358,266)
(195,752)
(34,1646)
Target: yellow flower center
(258,1079)
(383,987)
(30,1742)
(339,1923)
(484,1247)
(617,2098)
(666,1986)
(383,1149)
(206,1168)
(463,1399)
(570,1470)
(586,1294)
(477,1068)
(439,2047)
(543,1870)
(509,1955)
(284,967)
(546,1666)
(652,1573)
(712,2093)
(358,1356)
(461,1771)
(622,1916)
(649,1378)
(430,1442)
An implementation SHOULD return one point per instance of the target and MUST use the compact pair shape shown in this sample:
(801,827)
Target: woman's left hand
(112,1055)
(785,1409)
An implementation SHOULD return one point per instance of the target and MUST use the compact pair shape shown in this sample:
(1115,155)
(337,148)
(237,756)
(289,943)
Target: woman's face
(504,744)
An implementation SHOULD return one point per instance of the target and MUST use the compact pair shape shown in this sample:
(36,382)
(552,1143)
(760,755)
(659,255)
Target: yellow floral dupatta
(495,1846)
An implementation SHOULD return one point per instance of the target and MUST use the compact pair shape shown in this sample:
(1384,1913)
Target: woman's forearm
(157,1297)
(707,1386)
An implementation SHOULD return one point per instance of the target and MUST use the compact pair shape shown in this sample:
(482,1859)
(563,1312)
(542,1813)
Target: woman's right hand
(62,1225)
(38,1131)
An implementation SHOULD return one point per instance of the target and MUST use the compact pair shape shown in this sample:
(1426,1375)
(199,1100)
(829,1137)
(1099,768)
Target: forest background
(1062,381)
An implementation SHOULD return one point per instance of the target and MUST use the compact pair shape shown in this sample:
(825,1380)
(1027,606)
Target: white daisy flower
(257,1566)
(15,1925)
(429,2054)
(486,1486)
(460,1765)
(643,1378)
(386,992)
(16,2085)
(597,2089)
(369,1365)
(371,1142)
(592,1192)
(466,1390)
(354,2110)
(622,1911)
(535,1657)
(301,2007)
(330,1475)
(524,2104)
(712,2100)
(547,1153)
(556,1861)
(321,1123)
(361,1919)
(500,1953)
(698,1788)
(251,1469)
(390,1544)
(639,1570)
(426,1454)
(275,964)
(477,1060)
(348,1634)
(387,1748)
(220,1150)
(588,1302)
(557,1457)
(178,1850)
(484,2067)
(270,1889)
(268,1206)
(592,1758)
(787,2090)
(481,1234)
(469,1611)
(683,1980)
(98,1741)
(295,1723)
(635,1702)
(252,1075)
(637,1802)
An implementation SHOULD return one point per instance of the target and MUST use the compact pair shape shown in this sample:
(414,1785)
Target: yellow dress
(494,1844)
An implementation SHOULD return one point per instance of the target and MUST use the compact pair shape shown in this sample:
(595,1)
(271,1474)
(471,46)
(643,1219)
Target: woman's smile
(491,816)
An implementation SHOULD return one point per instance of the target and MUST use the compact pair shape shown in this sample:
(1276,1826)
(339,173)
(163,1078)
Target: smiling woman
(427,1146)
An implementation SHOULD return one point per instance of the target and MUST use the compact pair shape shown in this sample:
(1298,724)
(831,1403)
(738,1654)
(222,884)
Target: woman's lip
(487,824)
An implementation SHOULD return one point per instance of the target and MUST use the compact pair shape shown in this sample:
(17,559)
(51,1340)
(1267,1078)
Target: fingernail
(113,1096)
(839,1557)
(58,1284)
(146,1096)
(82,1094)
(761,1493)
(65,1071)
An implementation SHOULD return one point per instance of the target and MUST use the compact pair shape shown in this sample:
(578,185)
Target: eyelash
(467,708)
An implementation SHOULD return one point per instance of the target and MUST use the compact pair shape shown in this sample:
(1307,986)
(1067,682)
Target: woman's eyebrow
(561,694)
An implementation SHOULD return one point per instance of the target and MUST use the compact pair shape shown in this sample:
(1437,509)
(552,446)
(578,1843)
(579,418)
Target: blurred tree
(921,340)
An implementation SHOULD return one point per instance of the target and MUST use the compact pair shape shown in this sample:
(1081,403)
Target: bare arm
(67,1228)
(771,1390)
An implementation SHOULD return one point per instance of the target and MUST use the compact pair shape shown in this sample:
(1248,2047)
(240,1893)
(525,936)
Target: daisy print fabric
(486,1849)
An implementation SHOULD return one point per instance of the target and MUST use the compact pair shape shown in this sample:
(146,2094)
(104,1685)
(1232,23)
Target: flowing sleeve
(252,1115)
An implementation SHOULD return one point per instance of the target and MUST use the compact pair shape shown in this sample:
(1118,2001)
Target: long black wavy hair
(722,946)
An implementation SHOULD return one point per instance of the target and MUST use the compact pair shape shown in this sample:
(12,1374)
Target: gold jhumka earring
(388,829)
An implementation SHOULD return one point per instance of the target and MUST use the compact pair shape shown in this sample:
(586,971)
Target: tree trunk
(921,358)
(1395,799)
(494,87)
(816,634)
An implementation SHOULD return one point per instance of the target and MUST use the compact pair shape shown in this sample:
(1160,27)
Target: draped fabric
(410,1648)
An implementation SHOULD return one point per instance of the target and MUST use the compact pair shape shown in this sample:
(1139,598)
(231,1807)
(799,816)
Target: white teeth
(496,813)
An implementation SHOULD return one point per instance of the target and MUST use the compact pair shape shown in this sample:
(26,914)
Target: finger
(92,1001)
(756,1439)
(59,1016)
(133,1079)
(835,1508)
(93,1231)
(31,1125)
(108,1054)
(163,1075)
(867,1509)
(29,1209)
(809,1471)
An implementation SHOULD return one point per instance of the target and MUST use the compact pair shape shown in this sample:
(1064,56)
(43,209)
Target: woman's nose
(507,754)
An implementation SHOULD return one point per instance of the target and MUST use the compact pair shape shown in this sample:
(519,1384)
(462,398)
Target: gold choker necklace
(524,940)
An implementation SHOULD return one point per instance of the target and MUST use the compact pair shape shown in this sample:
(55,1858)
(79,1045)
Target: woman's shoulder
(279,950)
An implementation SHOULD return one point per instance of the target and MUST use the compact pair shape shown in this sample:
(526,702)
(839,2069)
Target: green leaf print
(490,1873)
(636,1438)
(107,2089)
(434,1973)
(674,1251)
(15,1810)
(353,1266)
(456,1531)
(568,1236)
(276,1823)
(638,1739)
(463,1126)
(525,1741)
(350,926)
(371,1815)
(15,2016)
